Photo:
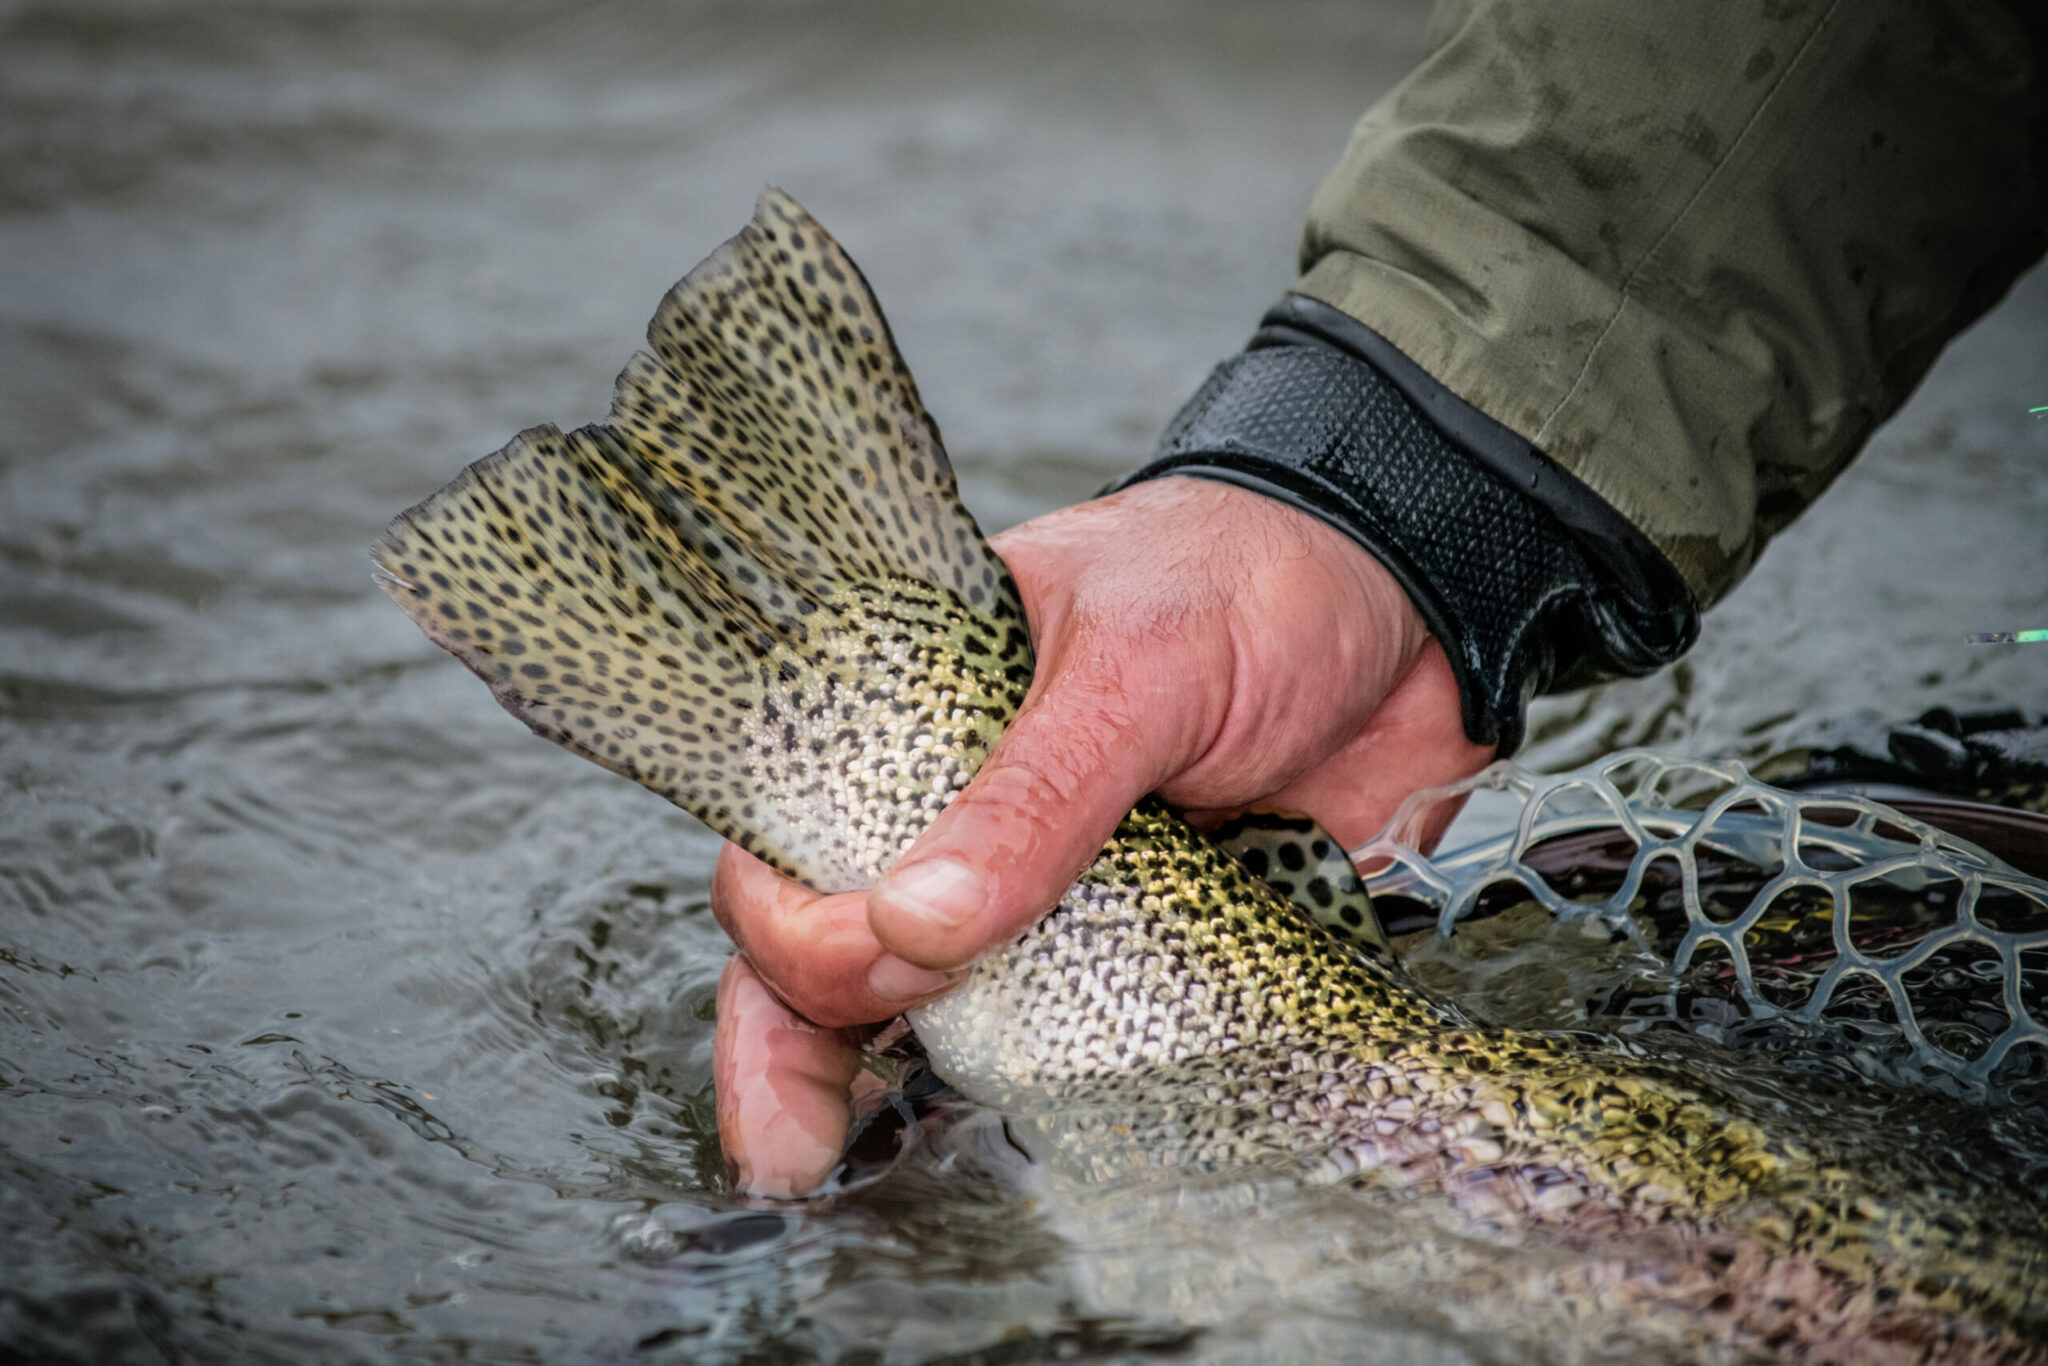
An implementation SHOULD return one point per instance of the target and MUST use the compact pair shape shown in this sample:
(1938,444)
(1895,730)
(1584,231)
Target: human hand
(1193,638)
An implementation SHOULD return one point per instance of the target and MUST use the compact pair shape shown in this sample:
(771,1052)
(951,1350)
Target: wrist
(1513,594)
(1284,562)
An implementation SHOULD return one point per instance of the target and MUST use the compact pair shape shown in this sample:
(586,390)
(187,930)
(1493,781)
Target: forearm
(1605,293)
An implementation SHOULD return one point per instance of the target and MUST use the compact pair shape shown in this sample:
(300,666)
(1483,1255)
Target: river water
(341,1020)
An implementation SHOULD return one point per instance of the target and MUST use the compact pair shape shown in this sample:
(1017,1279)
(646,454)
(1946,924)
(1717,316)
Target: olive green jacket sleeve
(1694,252)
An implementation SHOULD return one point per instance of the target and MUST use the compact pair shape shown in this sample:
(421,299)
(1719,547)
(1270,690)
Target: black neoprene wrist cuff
(1527,577)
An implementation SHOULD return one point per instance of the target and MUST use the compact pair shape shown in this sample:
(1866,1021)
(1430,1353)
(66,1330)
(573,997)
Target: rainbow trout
(754,590)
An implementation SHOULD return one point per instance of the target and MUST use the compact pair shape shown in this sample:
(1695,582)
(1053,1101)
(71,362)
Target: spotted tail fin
(753,589)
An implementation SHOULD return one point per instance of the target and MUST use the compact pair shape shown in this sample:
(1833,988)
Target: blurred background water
(342,1020)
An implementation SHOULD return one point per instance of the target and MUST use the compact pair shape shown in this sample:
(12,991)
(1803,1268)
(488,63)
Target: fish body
(754,590)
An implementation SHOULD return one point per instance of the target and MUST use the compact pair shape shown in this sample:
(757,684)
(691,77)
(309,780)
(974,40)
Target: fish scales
(754,590)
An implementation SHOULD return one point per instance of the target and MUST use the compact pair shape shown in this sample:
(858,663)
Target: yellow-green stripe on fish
(753,589)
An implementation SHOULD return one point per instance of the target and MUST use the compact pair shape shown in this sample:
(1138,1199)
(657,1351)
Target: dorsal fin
(1297,858)
(755,570)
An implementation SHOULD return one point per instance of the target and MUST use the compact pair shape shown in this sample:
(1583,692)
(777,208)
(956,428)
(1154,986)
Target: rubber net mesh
(1758,910)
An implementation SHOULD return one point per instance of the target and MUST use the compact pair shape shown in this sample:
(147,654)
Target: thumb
(1088,743)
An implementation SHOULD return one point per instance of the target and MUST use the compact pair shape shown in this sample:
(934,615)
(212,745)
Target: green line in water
(2006,638)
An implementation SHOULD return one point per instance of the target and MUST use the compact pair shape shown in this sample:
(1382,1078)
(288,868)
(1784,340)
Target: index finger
(817,952)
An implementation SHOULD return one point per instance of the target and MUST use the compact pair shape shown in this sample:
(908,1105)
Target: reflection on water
(340,1020)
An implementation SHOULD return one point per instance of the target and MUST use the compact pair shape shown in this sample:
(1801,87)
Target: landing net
(1804,908)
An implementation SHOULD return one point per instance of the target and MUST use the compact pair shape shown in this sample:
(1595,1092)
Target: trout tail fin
(750,585)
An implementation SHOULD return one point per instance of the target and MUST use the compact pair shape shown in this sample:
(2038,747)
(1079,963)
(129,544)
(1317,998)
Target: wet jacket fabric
(1694,253)
(1656,269)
